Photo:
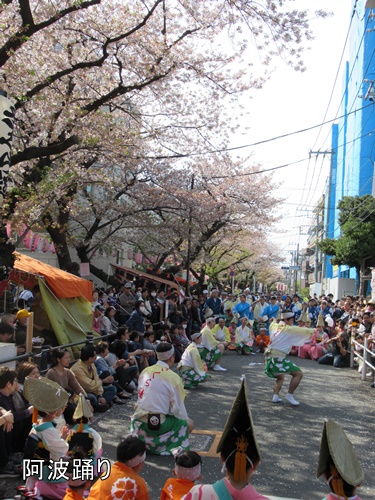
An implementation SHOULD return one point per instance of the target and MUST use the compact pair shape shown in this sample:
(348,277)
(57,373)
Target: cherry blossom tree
(110,95)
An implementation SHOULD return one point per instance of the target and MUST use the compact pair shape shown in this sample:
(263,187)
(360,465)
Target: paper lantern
(27,239)
(45,245)
(130,254)
(9,228)
(34,242)
(52,248)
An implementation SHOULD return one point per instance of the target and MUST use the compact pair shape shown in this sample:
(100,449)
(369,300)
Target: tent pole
(29,333)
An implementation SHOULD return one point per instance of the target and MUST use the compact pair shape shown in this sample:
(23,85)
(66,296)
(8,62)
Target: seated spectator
(85,371)
(174,313)
(22,418)
(115,375)
(60,372)
(96,319)
(108,323)
(136,319)
(338,353)
(262,339)
(240,455)
(24,370)
(150,344)
(136,349)
(244,337)
(212,349)
(179,336)
(124,481)
(7,466)
(221,333)
(49,399)
(178,343)
(6,333)
(8,318)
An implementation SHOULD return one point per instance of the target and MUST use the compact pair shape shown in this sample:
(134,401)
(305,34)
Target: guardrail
(36,353)
(362,352)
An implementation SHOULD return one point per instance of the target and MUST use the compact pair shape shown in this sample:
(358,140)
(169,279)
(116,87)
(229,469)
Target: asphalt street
(288,436)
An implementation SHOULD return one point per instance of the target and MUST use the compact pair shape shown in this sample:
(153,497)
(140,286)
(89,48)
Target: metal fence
(36,354)
(364,354)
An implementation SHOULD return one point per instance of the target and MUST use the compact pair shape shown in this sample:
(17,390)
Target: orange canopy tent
(27,270)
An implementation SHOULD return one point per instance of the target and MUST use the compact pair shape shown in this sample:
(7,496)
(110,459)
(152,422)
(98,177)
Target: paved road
(288,436)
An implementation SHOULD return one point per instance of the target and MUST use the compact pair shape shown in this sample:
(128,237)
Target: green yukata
(160,418)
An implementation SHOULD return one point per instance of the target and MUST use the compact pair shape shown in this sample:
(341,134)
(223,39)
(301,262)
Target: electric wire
(347,83)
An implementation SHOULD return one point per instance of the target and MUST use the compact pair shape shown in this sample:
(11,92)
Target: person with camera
(338,353)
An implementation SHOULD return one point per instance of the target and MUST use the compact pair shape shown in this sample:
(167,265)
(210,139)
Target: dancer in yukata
(160,418)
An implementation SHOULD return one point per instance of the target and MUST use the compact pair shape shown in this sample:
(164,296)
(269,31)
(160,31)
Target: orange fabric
(122,484)
(264,337)
(26,271)
(175,488)
(73,495)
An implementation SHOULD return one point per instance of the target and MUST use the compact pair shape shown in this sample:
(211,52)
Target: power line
(337,72)
(236,148)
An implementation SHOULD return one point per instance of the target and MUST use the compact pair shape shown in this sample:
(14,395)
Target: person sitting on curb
(212,349)
(244,337)
(84,369)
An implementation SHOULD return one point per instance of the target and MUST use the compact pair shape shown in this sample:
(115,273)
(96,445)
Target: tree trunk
(62,250)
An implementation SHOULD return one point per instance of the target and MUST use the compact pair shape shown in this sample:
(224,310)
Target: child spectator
(187,470)
(262,339)
(124,480)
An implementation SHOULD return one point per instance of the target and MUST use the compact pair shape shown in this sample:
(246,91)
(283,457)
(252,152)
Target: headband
(190,473)
(195,335)
(133,462)
(287,315)
(163,356)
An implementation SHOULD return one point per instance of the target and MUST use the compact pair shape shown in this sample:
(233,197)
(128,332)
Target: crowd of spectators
(134,321)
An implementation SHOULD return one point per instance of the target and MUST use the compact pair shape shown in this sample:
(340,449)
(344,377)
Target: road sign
(231,273)
(231,268)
